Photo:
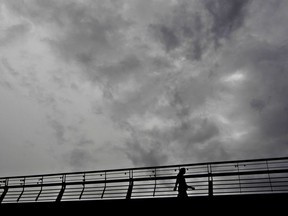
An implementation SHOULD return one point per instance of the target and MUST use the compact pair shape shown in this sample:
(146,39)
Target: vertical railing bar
(239,178)
(83,187)
(104,186)
(63,187)
(207,166)
(41,182)
(6,188)
(22,189)
(210,180)
(271,187)
(155,183)
(130,187)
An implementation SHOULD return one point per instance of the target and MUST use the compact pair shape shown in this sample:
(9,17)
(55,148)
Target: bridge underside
(226,204)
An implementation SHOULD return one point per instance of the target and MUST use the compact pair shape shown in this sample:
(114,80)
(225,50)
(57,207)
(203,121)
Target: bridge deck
(222,205)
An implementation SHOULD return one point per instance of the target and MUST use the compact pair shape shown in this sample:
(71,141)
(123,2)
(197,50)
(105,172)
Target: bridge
(260,184)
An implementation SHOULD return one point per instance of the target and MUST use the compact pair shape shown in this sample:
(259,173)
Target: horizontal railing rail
(269,175)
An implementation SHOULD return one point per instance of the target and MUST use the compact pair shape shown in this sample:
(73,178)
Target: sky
(93,84)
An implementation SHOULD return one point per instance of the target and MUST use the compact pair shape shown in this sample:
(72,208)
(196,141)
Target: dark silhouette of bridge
(257,184)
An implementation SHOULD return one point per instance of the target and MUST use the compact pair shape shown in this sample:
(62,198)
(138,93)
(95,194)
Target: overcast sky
(93,84)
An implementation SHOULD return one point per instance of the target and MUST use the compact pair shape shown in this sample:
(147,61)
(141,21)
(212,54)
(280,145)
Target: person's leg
(182,194)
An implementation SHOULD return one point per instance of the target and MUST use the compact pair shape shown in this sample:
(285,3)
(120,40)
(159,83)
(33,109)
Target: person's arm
(193,188)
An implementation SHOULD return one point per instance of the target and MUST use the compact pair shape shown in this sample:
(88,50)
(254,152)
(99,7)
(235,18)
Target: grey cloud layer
(170,67)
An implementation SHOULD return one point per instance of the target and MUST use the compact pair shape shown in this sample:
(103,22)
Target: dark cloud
(59,130)
(78,158)
(9,68)
(195,139)
(257,104)
(261,101)
(227,16)
(14,32)
(121,69)
(188,28)
(198,79)
(182,29)
(81,32)
(196,132)
(143,155)
(186,32)
(166,36)
(213,150)
(6,73)
(206,131)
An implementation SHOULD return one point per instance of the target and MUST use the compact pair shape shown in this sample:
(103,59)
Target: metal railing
(210,179)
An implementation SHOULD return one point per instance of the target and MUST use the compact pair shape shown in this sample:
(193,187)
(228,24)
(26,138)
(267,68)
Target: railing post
(5,191)
(41,182)
(83,187)
(59,197)
(155,183)
(130,188)
(210,181)
(210,187)
(22,189)
(104,187)
(268,171)
(239,179)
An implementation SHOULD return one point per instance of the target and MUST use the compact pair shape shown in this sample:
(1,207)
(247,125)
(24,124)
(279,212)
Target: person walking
(182,185)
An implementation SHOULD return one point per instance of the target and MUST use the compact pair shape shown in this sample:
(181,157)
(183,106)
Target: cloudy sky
(93,84)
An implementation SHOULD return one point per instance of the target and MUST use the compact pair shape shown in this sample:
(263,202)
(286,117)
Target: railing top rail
(154,178)
(146,168)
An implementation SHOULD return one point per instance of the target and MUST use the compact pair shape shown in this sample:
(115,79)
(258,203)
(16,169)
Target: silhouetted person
(182,186)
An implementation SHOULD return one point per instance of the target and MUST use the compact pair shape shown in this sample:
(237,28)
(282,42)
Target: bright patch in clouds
(235,77)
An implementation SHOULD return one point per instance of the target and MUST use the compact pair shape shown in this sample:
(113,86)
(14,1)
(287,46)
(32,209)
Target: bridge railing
(210,179)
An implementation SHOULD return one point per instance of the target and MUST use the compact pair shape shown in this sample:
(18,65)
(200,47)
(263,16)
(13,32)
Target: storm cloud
(178,81)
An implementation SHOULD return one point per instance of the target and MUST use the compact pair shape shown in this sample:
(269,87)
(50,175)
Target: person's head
(182,171)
